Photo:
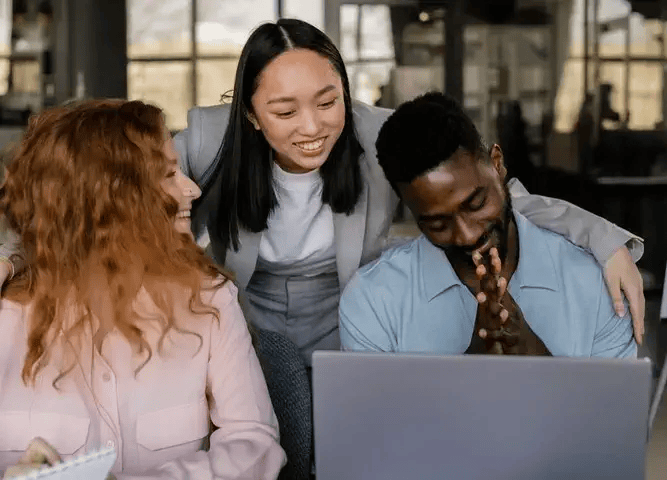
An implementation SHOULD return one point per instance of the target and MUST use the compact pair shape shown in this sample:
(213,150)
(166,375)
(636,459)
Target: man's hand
(38,454)
(492,287)
(500,321)
(621,273)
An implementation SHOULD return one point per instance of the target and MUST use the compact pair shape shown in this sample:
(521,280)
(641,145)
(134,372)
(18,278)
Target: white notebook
(91,466)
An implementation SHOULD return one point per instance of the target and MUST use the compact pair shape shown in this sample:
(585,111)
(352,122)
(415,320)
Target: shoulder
(209,115)
(567,253)
(367,116)
(577,270)
(392,272)
(367,122)
(220,293)
(199,143)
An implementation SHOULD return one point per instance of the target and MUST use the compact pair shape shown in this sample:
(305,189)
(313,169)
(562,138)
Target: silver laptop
(426,417)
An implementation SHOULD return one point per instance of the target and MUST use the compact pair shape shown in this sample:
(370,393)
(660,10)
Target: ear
(498,161)
(251,117)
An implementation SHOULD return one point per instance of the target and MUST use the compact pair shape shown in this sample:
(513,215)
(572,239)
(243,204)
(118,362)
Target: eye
(285,114)
(171,173)
(477,203)
(328,104)
(436,226)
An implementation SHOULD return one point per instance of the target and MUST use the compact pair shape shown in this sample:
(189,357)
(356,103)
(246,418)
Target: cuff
(614,240)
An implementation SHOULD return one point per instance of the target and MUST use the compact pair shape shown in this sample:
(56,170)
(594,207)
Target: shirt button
(111,444)
(106,376)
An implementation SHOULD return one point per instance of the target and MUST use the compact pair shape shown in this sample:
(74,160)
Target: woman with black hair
(294,200)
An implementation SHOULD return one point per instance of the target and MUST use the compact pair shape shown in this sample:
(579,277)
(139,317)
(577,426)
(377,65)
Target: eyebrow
(319,93)
(467,201)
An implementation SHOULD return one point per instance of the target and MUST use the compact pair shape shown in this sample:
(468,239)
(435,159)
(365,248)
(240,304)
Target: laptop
(424,417)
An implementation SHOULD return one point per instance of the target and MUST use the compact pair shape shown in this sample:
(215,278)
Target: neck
(511,259)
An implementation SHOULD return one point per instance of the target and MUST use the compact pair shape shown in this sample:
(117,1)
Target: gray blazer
(361,236)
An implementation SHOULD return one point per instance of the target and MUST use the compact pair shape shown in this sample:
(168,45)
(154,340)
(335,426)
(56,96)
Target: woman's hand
(38,454)
(621,274)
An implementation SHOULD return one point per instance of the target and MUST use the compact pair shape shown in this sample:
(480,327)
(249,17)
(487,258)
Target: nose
(190,188)
(465,233)
(310,122)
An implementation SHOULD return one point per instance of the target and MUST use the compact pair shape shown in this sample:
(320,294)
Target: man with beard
(481,278)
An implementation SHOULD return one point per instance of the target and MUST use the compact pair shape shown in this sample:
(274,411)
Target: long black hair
(240,192)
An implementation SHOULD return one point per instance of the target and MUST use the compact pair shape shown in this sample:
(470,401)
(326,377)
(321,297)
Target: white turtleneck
(300,233)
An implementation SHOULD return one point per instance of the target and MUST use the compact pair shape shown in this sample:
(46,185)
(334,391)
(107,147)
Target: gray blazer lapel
(243,262)
(349,233)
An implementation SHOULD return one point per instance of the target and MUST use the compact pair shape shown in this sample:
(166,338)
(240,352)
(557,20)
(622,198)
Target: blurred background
(572,90)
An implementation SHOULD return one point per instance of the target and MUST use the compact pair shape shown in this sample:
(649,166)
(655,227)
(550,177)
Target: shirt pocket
(66,433)
(173,426)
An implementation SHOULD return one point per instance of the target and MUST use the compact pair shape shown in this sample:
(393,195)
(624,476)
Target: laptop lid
(415,416)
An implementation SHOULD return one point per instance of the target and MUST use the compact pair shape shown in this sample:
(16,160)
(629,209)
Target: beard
(496,233)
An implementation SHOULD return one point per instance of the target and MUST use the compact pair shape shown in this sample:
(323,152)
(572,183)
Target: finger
(617,298)
(637,311)
(504,315)
(481,297)
(502,286)
(482,333)
(477,258)
(480,271)
(495,308)
(496,264)
(22,469)
(40,451)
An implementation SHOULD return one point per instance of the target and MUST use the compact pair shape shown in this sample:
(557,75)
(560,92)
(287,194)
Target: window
(162,57)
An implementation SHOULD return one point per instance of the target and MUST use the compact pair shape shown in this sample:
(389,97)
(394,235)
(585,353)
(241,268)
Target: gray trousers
(304,309)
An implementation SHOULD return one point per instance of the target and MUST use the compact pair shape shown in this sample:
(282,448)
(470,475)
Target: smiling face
(179,187)
(462,206)
(299,107)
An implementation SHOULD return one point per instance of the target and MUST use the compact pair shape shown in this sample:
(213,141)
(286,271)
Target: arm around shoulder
(601,237)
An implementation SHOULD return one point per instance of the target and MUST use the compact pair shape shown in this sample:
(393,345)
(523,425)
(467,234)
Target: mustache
(496,230)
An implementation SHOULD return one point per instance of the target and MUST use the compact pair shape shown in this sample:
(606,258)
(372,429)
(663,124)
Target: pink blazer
(159,420)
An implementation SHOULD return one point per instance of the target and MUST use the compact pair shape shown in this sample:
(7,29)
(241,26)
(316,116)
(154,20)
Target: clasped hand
(500,321)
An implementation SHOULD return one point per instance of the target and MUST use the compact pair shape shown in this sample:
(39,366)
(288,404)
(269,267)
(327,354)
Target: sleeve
(363,325)
(601,237)
(245,444)
(613,334)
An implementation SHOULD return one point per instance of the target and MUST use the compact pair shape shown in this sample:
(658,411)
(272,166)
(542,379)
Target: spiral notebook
(91,466)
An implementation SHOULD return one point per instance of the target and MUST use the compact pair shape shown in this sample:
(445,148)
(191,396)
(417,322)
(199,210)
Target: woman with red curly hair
(122,332)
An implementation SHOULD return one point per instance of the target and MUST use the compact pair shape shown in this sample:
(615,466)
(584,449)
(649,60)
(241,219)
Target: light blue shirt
(411,300)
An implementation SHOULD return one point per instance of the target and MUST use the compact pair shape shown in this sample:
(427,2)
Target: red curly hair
(83,191)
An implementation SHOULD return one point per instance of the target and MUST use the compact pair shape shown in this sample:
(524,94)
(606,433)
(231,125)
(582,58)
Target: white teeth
(183,214)
(311,145)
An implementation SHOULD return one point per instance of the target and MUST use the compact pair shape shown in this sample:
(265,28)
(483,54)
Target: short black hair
(422,134)
(241,190)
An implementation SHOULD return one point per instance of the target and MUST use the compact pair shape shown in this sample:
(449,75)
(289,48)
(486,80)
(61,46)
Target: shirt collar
(536,267)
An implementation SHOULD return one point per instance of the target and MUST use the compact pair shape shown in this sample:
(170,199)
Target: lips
(314,147)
